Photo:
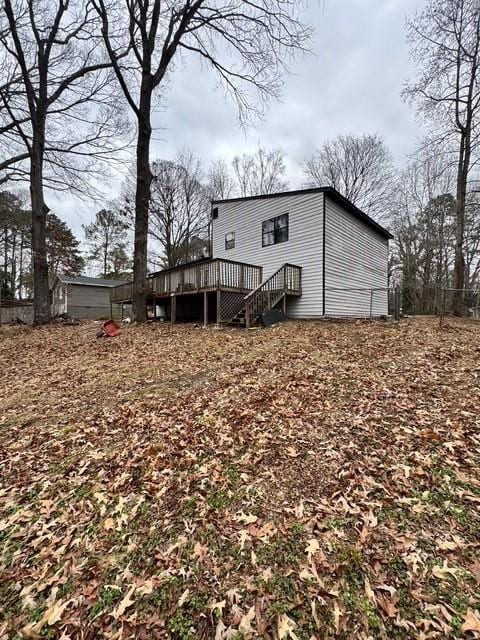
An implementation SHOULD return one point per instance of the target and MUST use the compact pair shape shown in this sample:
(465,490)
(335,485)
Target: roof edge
(102,282)
(329,191)
(336,196)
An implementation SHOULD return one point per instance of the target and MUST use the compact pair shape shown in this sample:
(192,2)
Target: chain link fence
(402,301)
(439,301)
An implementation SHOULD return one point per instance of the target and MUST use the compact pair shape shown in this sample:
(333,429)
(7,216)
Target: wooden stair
(275,289)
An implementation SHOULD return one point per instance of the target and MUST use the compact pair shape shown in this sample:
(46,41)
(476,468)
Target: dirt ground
(310,481)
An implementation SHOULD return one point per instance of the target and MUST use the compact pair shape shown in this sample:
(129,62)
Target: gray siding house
(343,253)
(311,253)
(83,297)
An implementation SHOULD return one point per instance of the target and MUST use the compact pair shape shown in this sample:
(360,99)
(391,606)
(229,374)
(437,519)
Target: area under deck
(208,290)
(216,290)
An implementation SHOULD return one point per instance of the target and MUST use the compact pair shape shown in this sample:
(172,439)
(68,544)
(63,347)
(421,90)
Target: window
(275,230)
(230,240)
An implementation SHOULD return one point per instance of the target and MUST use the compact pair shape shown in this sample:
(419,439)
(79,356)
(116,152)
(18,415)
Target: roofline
(117,283)
(68,280)
(332,193)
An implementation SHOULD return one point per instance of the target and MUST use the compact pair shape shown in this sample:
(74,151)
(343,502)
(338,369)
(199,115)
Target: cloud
(351,83)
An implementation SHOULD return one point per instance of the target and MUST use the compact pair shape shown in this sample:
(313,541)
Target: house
(311,252)
(83,297)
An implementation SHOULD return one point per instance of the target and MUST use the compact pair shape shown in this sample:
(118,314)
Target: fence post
(396,303)
(443,307)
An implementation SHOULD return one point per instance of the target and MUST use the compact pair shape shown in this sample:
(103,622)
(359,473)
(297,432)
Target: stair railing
(285,280)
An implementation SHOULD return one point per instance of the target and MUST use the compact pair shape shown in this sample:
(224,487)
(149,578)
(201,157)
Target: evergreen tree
(106,236)
(63,252)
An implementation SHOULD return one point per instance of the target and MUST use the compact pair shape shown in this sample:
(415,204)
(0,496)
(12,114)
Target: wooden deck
(217,289)
(205,276)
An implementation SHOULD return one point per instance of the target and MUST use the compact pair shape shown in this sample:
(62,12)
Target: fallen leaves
(246,518)
(245,625)
(472,621)
(312,548)
(475,569)
(444,571)
(183,598)
(304,482)
(125,603)
(51,616)
(369,591)
(285,627)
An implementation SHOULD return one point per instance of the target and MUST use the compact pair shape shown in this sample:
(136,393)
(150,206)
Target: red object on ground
(111,329)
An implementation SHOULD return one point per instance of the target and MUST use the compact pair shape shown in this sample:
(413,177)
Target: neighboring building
(83,297)
(312,252)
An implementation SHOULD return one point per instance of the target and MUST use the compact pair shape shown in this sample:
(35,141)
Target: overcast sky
(351,83)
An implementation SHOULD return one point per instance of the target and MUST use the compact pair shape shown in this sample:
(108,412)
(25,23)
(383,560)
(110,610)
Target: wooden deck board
(206,276)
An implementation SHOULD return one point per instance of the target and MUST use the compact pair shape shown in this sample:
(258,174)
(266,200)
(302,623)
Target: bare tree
(180,209)
(220,183)
(360,167)
(244,41)
(472,241)
(445,42)
(56,108)
(422,222)
(262,172)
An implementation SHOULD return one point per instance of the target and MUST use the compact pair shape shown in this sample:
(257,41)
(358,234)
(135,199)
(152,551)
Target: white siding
(303,248)
(59,298)
(356,257)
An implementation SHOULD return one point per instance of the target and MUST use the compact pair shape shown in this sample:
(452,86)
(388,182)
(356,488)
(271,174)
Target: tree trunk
(41,293)
(105,259)
(13,273)
(142,198)
(459,268)
(20,266)
(5,256)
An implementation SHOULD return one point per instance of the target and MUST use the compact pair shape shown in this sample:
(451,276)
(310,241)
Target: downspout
(323,252)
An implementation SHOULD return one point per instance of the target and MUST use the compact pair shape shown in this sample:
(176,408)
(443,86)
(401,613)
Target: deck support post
(205,309)
(173,308)
(284,305)
(219,308)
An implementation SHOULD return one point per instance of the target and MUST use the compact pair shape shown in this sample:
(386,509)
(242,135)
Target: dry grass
(309,481)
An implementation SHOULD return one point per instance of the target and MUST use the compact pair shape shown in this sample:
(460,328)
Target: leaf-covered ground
(308,481)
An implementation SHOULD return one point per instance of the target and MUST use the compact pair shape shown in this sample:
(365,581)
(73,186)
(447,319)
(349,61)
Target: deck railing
(286,281)
(211,275)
